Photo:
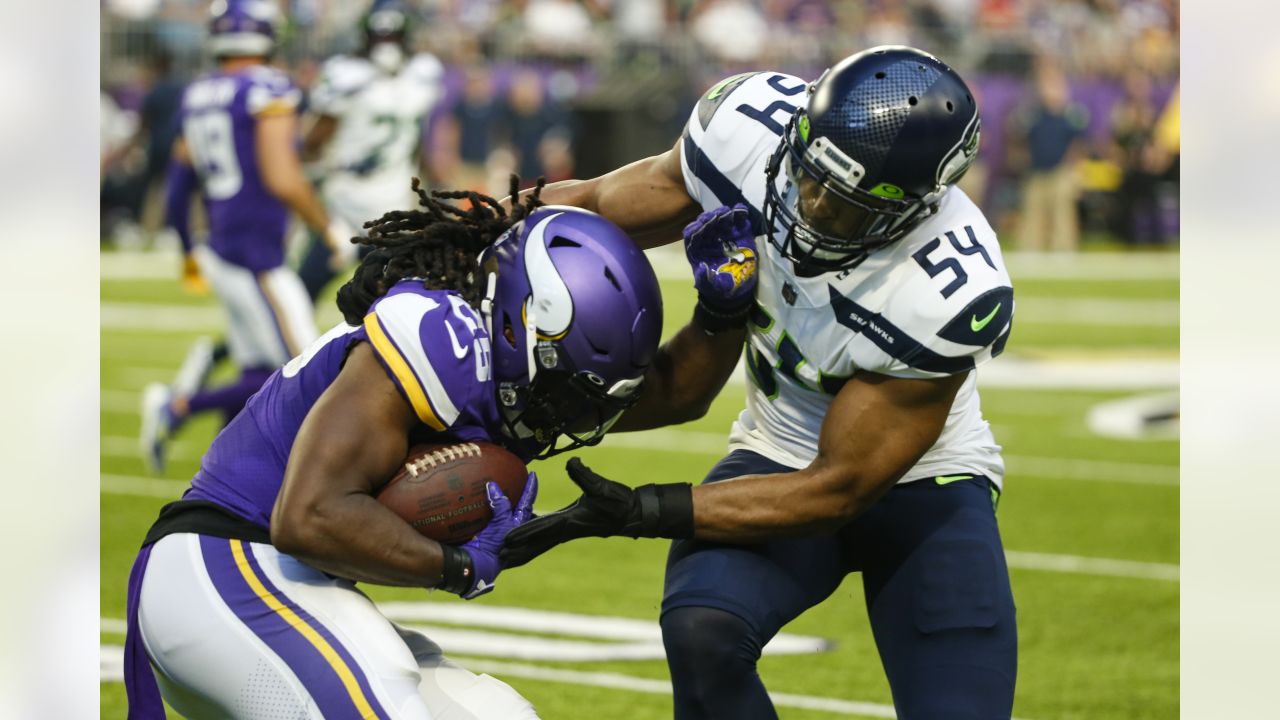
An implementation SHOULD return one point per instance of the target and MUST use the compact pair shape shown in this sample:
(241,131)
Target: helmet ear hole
(609,274)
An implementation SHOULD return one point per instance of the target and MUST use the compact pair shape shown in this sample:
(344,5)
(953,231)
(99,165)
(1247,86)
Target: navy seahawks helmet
(882,136)
(387,21)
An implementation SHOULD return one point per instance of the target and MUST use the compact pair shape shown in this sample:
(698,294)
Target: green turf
(1091,646)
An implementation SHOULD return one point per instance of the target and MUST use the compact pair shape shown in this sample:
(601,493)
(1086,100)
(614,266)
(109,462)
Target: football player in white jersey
(862,447)
(370,112)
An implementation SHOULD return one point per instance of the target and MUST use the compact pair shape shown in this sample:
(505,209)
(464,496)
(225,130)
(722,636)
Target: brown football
(440,488)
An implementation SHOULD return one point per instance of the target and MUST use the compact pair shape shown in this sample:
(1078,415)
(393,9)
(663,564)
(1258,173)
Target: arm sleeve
(339,80)
(180,183)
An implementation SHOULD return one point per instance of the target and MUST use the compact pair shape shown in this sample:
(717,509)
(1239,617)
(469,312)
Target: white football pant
(270,318)
(239,630)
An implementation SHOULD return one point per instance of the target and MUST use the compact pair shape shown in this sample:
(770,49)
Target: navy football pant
(936,589)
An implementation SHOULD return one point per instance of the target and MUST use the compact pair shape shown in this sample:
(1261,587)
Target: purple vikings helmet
(574,317)
(242,27)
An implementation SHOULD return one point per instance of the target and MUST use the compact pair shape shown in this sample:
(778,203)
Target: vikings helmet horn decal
(550,305)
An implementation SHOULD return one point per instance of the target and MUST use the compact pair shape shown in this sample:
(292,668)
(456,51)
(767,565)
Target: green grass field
(1091,523)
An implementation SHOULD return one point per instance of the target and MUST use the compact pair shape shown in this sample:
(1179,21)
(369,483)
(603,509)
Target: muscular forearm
(642,198)
(685,376)
(577,193)
(755,508)
(357,537)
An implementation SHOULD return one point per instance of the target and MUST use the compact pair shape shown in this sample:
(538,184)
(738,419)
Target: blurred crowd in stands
(1078,97)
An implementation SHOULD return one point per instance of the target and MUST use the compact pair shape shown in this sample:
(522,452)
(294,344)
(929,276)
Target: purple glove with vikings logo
(721,248)
(483,548)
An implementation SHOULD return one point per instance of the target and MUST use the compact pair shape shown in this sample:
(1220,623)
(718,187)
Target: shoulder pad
(272,78)
(433,348)
(735,126)
(271,91)
(949,305)
(426,67)
(715,97)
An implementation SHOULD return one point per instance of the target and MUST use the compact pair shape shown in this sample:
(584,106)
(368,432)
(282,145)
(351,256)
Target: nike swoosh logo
(975,324)
(458,351)
(948,479)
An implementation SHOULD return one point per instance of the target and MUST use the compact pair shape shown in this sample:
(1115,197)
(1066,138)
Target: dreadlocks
(440,244)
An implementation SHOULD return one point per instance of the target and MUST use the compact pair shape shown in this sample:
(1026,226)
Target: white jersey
(935,303)
(372,156)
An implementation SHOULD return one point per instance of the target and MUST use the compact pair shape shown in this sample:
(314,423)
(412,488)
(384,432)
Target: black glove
(606,509)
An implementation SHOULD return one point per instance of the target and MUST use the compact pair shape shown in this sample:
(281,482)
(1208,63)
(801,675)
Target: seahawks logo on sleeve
(711,102)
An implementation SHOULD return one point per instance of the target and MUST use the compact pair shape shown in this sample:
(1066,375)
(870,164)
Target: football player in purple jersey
(238,149)
(535,329)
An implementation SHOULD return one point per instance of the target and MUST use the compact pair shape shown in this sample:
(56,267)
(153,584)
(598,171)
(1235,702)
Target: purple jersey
(219,118)
(433,347)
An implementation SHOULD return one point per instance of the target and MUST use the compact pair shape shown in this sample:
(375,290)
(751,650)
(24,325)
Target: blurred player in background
(243,596)
(238,148)
(862,446)
(371,109)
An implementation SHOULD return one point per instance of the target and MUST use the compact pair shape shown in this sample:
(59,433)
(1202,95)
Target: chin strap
(530,339)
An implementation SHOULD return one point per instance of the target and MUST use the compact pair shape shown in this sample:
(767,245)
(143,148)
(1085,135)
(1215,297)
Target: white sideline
(171,489)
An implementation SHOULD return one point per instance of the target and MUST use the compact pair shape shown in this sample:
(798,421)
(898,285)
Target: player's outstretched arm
(690,369)
(318,136)
(875,431)
(646,198)
(353,440)
(877,428)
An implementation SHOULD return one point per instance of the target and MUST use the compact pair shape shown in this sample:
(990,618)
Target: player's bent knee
(454,693)
(709,642)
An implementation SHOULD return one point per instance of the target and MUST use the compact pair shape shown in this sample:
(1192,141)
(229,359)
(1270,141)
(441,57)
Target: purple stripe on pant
(139,680)
(313,670)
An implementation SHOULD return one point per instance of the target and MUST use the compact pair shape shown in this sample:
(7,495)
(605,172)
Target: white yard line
(123,402)
(112,664)
(160,318)
(1092,566)
(179,318)
(171,489)
(669,263)
(619,681)
(1094,311)
(705,443)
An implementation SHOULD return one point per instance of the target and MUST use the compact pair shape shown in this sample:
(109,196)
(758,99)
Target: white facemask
(388,56)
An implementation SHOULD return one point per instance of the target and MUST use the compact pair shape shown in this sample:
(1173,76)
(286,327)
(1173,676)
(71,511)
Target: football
(440,488)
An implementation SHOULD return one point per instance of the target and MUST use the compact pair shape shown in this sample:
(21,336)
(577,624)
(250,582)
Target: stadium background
(1085,399)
